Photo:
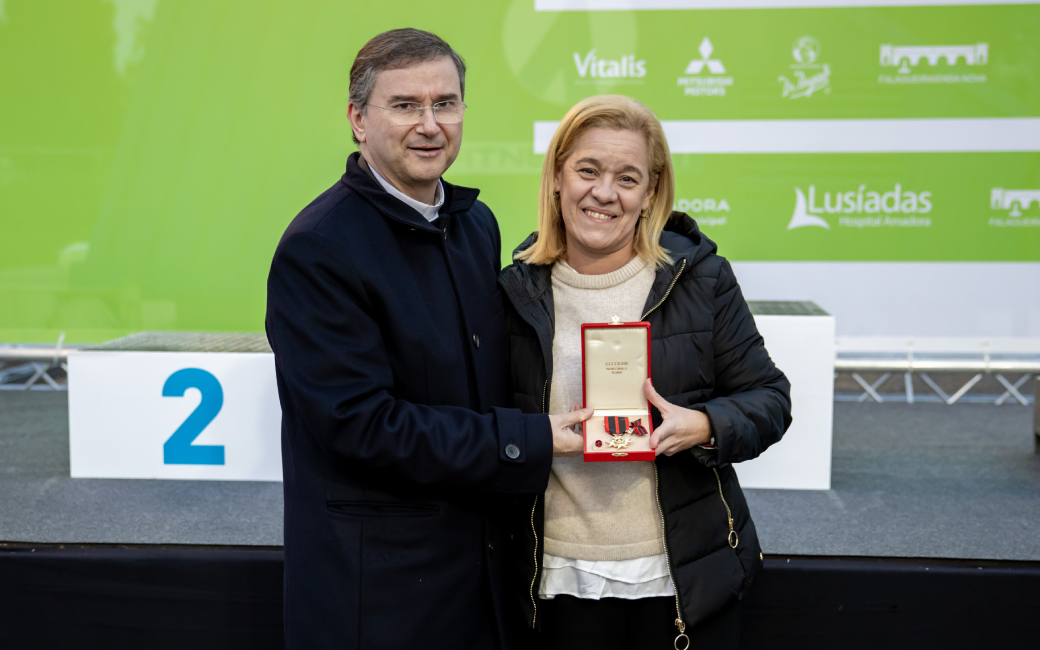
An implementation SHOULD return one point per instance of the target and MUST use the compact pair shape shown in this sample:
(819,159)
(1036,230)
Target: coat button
(512,451)
(491,548)
(476,340)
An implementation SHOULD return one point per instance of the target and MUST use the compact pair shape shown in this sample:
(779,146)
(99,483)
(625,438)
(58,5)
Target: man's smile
(426,150)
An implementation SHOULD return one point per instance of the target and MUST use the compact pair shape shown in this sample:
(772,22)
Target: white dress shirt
(429,212)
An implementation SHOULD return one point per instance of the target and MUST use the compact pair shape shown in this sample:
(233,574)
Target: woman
(637,554)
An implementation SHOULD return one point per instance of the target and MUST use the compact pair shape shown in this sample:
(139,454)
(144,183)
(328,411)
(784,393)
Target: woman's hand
(681,428)
(566,441)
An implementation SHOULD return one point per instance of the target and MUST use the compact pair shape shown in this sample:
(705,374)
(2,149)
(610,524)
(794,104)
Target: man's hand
(680,429)
(566,441)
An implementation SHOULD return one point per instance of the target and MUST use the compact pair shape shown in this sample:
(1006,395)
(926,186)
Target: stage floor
(921,480)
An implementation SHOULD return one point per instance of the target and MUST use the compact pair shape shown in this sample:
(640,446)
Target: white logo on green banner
(714,66)
(801,217)
(862,201)
(809,76)
(694,84)
(705,210)
(906,57)
(1014,201)
(627,68)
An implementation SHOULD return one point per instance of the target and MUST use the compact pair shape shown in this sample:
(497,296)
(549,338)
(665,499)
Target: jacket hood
(681,238)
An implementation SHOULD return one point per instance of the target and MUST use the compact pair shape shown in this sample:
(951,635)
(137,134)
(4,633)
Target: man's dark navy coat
(392,365)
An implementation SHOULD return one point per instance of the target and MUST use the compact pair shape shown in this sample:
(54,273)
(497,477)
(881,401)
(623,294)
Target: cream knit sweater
(597,511)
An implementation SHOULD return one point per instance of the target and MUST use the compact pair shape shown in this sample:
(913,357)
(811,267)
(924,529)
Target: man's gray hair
(393,50)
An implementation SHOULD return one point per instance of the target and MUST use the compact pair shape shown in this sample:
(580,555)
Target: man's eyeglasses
(409,113)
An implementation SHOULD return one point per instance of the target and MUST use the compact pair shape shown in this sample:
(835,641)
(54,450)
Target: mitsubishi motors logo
(695,84)
(714,65)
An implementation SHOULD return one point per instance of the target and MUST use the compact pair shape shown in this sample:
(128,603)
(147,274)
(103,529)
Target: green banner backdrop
(152,151)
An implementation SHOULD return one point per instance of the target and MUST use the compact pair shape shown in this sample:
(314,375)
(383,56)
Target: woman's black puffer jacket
(707,355)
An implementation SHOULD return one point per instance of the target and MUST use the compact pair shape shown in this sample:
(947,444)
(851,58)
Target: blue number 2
(178,450)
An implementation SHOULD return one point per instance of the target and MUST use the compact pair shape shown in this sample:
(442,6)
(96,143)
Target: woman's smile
(598,215)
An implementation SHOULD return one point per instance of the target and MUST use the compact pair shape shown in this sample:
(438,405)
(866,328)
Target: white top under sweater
(603,535)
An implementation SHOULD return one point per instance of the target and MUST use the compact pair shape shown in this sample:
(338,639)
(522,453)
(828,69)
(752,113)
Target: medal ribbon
(615,425)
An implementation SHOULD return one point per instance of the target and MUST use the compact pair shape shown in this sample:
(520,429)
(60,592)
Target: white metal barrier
(998,358)
(921,356)
(23,367)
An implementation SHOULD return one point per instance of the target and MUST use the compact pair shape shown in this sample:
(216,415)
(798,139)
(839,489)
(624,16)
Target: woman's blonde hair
(611,112)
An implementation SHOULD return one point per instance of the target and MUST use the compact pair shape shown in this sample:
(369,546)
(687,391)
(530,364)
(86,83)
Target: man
(392,366)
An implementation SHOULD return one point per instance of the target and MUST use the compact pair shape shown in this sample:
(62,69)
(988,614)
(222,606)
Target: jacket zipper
(668,563)
(666,293)
(732,539)
(534,578)
(534,531)
(679,623)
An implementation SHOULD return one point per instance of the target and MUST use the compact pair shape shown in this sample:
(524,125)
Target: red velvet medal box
(615,361)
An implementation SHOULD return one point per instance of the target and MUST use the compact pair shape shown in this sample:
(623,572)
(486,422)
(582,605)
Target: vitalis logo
(809,76)
(609,70)
(1015,201)
(712,85)
(862,202)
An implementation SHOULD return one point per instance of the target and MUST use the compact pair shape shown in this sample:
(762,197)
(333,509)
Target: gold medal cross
(617,442)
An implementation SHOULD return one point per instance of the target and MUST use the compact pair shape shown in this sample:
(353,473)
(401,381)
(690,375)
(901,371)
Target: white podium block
(174,415)
(803,347)
(216,415)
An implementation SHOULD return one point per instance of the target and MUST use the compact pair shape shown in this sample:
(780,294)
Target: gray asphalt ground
(921,480)
(916,480)
(40,503)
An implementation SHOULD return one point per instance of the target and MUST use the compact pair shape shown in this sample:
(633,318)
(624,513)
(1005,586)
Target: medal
(617,427)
